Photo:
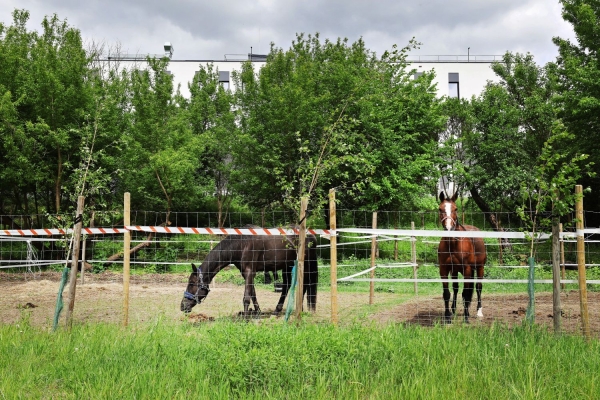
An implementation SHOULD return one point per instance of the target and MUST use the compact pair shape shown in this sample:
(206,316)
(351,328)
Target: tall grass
(269,359)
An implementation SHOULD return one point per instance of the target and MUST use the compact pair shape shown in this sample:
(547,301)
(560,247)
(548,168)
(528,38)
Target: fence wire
(400,283)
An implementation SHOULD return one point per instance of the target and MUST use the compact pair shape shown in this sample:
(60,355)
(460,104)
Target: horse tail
(311,274)
(311,256)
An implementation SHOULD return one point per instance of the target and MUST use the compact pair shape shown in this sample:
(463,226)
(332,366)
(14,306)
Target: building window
(417,74)
(224,79)
(453,85)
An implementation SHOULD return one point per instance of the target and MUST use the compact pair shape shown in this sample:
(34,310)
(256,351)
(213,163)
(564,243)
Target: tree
(513,151)
(161,152)
(400,121)
(507,127)
(42,80)
(213,122)
(578,70)
(332,114)
(452,158)
(102,141)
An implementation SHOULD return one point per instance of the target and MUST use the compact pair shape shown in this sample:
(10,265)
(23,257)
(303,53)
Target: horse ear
(442,197)
(455,196)
(194,269)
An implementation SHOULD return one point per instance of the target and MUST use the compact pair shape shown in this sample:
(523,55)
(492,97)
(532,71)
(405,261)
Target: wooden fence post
(333,256)
(373,257)
(75,259)
(583,303)
(126,257)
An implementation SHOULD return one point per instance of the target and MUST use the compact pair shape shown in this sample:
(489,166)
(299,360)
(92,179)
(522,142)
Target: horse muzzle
(189,301)
(187,305)
(445,224)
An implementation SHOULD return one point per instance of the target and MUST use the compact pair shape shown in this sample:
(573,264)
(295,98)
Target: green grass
(270,359)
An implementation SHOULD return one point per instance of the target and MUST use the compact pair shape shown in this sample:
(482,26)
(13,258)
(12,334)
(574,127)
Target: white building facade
(455,76)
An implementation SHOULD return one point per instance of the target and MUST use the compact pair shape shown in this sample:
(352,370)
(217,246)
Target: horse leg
(247,295)
(312,278)
(468,292)
(447,312)
(249,290)
(287,278)
(253,297)
(478,288)
(268,279)
(455,290)
(308,288)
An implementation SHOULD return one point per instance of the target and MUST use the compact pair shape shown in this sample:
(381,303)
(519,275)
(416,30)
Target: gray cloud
(208,30)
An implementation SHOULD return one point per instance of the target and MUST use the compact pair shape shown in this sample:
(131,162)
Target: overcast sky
(208,30)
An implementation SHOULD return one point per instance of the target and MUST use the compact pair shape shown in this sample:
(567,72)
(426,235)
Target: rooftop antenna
(469,54)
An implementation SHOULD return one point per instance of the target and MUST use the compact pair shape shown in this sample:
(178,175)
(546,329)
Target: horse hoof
(479,313)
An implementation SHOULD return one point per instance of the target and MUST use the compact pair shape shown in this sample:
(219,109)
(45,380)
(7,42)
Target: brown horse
(252,254)
(456,254)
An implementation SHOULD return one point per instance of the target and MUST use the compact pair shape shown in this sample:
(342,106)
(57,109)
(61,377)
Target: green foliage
(578,77)
(512,120)
(44,94)
(211,114)
(509,148)
(162,152)
(332,114)
(555,176)
(320,114)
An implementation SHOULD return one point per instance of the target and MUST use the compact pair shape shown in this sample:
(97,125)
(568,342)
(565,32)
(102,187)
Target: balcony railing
(454,58)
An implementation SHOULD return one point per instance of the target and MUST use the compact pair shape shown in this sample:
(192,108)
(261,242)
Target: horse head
(197,289)
(448,212)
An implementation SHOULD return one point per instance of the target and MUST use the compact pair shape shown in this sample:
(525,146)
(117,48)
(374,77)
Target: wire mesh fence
(398,282)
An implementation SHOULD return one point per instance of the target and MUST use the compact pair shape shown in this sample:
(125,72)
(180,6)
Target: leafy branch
(551,184)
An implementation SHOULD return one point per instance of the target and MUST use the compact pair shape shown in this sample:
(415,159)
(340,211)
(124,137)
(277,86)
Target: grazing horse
(459,254)
(252,254)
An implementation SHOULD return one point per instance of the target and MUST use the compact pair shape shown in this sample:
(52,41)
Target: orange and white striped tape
(48,232)
(162,229)
(226,231)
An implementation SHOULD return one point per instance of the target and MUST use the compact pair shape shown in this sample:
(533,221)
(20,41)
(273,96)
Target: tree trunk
(134,250)
(137,248)
(219,211)
(57,182)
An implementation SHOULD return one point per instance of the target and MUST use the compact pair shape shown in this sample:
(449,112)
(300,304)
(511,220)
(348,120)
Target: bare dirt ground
(100,299)
(508,309)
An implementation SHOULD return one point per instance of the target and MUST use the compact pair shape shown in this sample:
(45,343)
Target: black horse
(252,254)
